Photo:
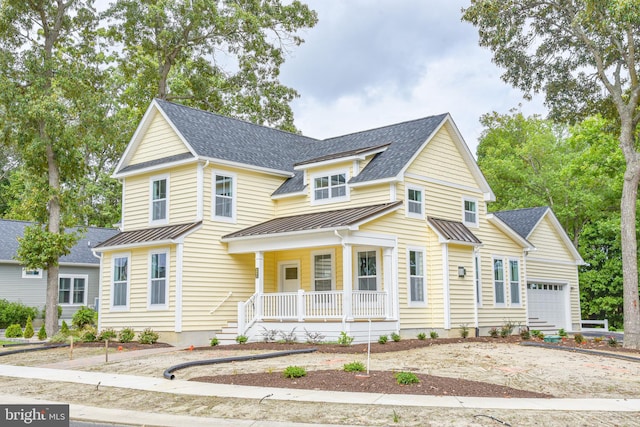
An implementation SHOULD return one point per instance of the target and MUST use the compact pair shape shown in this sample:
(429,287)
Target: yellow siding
(548,243)
(159,141)
(461,289)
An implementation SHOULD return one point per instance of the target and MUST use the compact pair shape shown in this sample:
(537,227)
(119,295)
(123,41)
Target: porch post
(347,279)
(388,281)
(259,283)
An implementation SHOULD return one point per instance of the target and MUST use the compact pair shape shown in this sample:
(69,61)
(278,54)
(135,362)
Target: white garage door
(547,303)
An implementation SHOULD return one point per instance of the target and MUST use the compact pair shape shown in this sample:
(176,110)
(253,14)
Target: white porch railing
(369,304)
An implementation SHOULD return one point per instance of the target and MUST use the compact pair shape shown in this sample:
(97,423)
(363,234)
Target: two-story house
(227,224)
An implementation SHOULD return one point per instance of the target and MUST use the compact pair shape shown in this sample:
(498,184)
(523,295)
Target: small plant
(59,337)
(42,333)
(314,337)
(433,335)
(524,333)
(354,367)
(148,336)
(89,334)
(422,336)
(578,338)
(13,331)
(493,332)
(396,417)
(214,342)
(28,329)
(294,372)
(395,337)
(269,335)
(242,339)
(383,339)
(598,339)
(612,341)
(507,329)
(64,329)
(84,316)
(344,339)
(126,335)
(107,334)
(541,335)
(464,331)
(289,337)
(406,378)
(562,332)
(536,333)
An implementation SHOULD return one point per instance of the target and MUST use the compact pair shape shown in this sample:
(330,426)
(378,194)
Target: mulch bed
(131,346)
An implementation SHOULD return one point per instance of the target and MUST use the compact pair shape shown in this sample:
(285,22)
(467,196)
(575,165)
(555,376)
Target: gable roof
(81,252)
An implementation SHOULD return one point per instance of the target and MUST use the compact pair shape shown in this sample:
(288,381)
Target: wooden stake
(106,351)
(71,349)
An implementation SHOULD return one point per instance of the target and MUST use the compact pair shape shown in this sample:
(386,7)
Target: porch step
(227,335)
(541,325)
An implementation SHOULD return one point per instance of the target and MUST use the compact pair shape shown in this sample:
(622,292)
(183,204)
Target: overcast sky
(370,63)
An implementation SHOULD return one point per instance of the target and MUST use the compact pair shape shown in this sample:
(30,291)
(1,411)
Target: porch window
(367,271)
(330,187)
(224,196)
(415,202)
(72,289)
(498,281)
(159,199)
(158,280)
(514,281)
(120,283)
(470,212)
(416,277)
(323,272)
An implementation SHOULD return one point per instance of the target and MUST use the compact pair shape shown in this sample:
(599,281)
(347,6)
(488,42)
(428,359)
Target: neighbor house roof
(522,221)
(453,231)
(81,252)
(153,235)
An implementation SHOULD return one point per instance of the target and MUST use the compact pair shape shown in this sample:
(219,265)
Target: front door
(289,277)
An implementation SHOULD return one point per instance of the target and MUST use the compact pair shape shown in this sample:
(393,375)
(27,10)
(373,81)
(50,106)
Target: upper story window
(470,212)
(224,196)
(415,202)
(33,273)
(159,199)
(330,187)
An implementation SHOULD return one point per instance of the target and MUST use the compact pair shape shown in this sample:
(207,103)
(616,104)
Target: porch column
(347,279)
(259,283)
(388,281)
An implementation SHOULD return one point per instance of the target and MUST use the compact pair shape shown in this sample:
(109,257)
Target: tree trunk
(51,317)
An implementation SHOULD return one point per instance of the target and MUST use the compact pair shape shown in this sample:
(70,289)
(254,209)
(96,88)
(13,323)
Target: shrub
(578,338)
(269,335)
(524,333)
(148,336)
(64,328)
(88,334)
(84,316)
(536,333)
(354,367)
(59,338)
(464,331)
(562,332)
(294,372)
(505,331)
(383,339)
(28,329)
(242,339)
(406,378)
(433,335)
(15,313)
(289,337)
(422,336)
(107,334)
(42,333)
(493,332)
(395,337)
(314,337)
(13,331)
(344,339)
(612,341)
(126,335)
(214,342)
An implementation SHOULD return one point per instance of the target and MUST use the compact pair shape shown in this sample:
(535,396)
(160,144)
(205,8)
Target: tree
(49,74)
(583,54)
(221,56)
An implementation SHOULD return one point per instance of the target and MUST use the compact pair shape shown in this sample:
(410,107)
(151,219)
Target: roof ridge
(522,209)
(387,126)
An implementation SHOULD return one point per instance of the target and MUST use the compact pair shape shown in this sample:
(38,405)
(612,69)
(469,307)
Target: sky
(371,63)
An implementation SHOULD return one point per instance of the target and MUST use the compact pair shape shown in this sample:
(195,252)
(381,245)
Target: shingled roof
(522,221)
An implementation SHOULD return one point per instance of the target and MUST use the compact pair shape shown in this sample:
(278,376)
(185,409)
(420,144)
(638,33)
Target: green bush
(579,338)
(12,313)
(64,328)
(433,335)
(294,372)
(84,316)
(28,329)
(395,337)
(126,335)
(242,339)
(464,331)
(525,334)
(383,339)
(562,332)
(493,332)
(214,341)
(107,334)
(422,336)
(42,333)
(344,339)
(88,334)
(59,338)
(406,378)
(354,367)
(148,336)
(536,333)
(13,331)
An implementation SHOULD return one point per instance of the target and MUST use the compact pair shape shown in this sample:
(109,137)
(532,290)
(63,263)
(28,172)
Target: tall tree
(48,75)
(221,56)
(583,54)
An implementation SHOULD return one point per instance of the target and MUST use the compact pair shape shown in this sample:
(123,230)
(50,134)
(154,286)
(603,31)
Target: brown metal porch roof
(149,235)
(453,231)
(316,221)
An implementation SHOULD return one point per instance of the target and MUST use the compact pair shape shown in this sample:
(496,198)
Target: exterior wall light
(461,271)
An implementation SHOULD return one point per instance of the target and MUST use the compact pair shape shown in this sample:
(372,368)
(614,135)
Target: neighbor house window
(417,277)
(158,286)
(120,282)
(415,202)
(323,271)
(72,289)
(31,273)
(514,281)
(159,199)
(330,187)
(367,271)
(498,281)
(224,197)
(470,212)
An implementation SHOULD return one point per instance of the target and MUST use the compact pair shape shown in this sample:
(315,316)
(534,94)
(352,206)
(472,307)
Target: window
(158,288)
(416,277)
(415,203)
(478,282)
(33,273)
(72,289)
(159,199)
(330,187)
(224,198)
(323,272)
(498,281)
(120,284)
(514,281)
(367,271)
(470,212)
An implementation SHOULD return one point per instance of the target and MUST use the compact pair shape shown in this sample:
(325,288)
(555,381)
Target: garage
(547,306)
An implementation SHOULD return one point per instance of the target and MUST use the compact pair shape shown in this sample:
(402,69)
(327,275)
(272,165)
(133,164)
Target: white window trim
(128,296)
(28,276)
(504,281)
(234,198)
(422,206)
(164,306)
(511,303)
(328,174)
(411,303)
(464,221)
(330,252)
(151,181)
(356,286)
(477,278)
(72,277)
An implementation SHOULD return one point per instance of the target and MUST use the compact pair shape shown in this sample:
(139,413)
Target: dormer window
(330,187)
(159,199)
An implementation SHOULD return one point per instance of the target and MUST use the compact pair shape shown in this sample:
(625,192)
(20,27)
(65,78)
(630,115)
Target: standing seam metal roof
(148,235)
(454,231)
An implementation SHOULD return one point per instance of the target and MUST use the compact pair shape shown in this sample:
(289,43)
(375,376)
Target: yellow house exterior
(229,228)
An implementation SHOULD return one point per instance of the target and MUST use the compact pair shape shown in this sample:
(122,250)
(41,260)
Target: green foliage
(64,329)
(464,331)
(524,333)
(354,367)
(422,336)
(395,337)
(40,248)
(148,336)
(15,313)
(433,335)
(107,334)
(42,333)
(383,339)
(507,329)
(214,342)
(345,339)
(494,332)
(294,372)
(13,331)
(126,335)
(84,316)
(612,341)
(578,338)
(28,329)
(88,334)
(535,333)
(406,378)
(562,332)
(242,339)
